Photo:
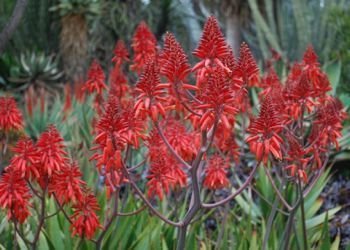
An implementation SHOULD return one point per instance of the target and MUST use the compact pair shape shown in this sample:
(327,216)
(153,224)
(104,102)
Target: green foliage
(289,26)
(66,7)
(340,20)
(34,69)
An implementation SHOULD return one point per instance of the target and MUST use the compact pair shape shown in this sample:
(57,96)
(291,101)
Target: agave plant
(37,70)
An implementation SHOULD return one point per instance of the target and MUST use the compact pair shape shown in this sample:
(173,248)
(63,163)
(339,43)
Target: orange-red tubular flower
(217,101)
(67,184)
(216,173)
(318,79)
(84,218)
(150,92)
(264,130)
(14,195)
(110,142)
(121,54)
(10,116)
(181,140)
(51,150)
(248,67)
(212,46)
(25,158)
(96,79)
(144,45)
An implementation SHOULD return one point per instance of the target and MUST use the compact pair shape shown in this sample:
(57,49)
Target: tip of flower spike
(212,43)
(310,57)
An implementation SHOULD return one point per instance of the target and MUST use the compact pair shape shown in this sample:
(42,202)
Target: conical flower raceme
(247,67)
(173,61)
(216,173)
(14,195)
(150,93)
(121,54)
(67,184)
(135,126)
(165,172)
(96,79)
(318,79)
(10,116)
(182,141)
(111,140)
(217,102)
(212,47)
(328,121)
(264,132)
(159,178)
(84,219)
(296,158)
(25,159)
(51,149)
(144,45)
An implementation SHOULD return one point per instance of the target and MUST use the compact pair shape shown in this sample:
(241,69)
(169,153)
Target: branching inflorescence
(188,132)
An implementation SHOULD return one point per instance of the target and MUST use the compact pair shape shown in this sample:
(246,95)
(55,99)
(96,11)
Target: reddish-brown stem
(133,212)
(137,166)
(145,200)
(35,192)
(62,209)
(233,195)
(280,196)
(109,221)
(42,215)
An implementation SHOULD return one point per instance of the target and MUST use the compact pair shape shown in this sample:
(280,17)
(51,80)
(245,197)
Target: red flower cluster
(14,195)
(264,130)
(84,218)
(150,92)
(10,116)
(144,45)
(96,79)
(215,173)
(44,164)
(164,171)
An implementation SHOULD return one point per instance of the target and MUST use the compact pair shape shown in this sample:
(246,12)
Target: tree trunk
(12,24)
(233,32)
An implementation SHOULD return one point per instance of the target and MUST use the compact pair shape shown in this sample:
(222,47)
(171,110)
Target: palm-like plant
(73,36)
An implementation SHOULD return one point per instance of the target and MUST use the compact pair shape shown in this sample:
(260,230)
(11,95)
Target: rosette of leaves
(37,70)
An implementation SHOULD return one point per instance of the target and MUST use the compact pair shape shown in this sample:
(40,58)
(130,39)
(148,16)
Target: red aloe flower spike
(96,79)
(67,184)
(25,158)
(51,150)
(264,138)
(212,46)
(14,195)
(159,177)
(310,58)
(329,120)
(216,173)
(110,129)
(135,126)
(180,139)
(84,219)
(10,116)
(173,61)
(121,54)
(217,100)
(248,67)
(319,80)
(144,45)
(150,93)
